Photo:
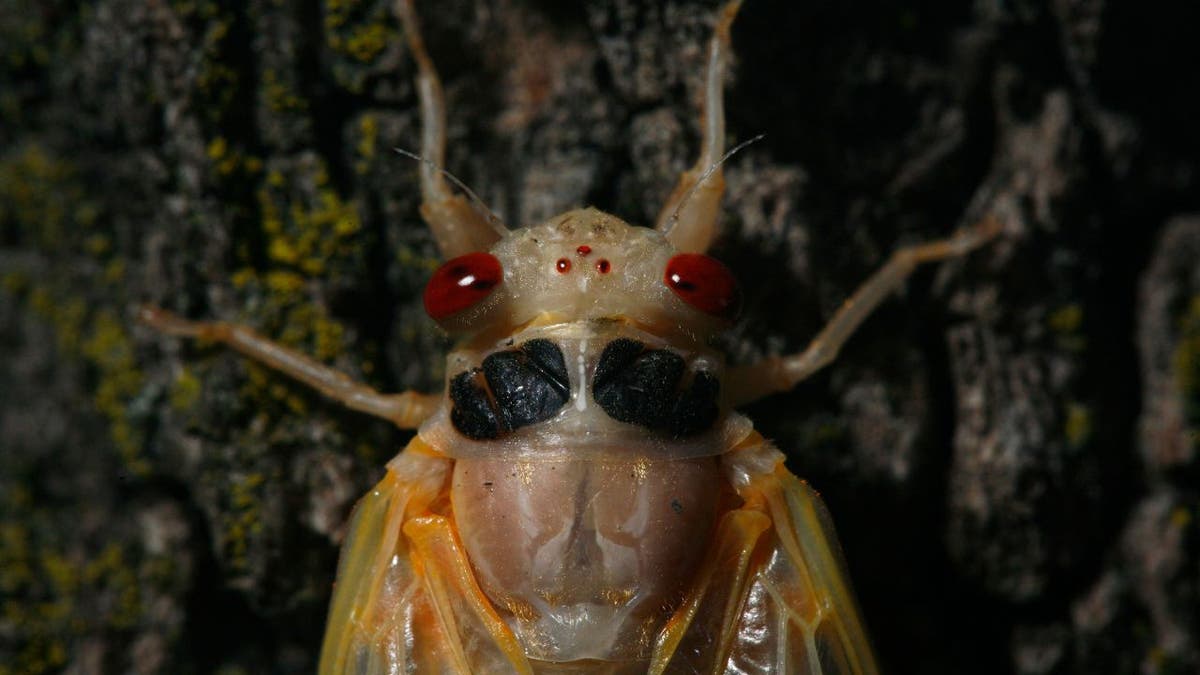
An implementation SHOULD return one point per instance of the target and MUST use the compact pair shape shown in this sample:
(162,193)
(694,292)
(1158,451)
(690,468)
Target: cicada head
(583,265)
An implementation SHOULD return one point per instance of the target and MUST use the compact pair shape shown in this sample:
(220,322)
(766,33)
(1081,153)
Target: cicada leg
(458,226)
(689,218)
(406,599)
(772,595)
(406,410)
(780,373)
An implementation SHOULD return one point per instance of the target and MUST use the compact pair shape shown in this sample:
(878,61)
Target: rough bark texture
(1009,449)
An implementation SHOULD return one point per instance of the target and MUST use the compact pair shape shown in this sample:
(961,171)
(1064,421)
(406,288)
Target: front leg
(689,218)
(781,373)
(406,410)
(458,226)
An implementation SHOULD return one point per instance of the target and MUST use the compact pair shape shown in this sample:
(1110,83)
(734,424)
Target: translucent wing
(772,596)
(405,600)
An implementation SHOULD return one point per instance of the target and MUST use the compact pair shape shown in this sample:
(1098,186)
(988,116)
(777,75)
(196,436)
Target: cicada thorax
(586,480)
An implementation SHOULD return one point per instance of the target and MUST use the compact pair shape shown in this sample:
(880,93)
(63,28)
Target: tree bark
(1009,448)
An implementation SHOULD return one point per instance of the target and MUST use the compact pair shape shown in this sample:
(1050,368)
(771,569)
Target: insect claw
(989,228)
(166,322)
(725,22)
(971,238)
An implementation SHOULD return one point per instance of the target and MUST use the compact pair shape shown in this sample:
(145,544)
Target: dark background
(1008,448)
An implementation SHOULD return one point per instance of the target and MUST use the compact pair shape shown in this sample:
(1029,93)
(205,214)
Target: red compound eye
(703,283)
(462,282)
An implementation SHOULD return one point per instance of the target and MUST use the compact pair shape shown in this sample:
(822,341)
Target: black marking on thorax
(642,386)
(632,384)
(512,389)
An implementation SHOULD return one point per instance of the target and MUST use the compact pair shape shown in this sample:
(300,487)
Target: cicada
(582,496)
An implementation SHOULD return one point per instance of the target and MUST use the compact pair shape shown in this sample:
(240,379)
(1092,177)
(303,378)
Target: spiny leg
(406,410)
(689,218)
(781,373)
(458,225)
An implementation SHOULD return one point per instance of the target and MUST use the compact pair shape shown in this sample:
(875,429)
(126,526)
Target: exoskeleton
(582,496)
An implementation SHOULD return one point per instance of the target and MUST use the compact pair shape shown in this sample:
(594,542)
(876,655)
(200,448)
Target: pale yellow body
(589,544)
(582,544)
(578,543)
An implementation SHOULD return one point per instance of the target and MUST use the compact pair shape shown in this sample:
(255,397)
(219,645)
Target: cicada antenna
(708,172)
(494,220)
